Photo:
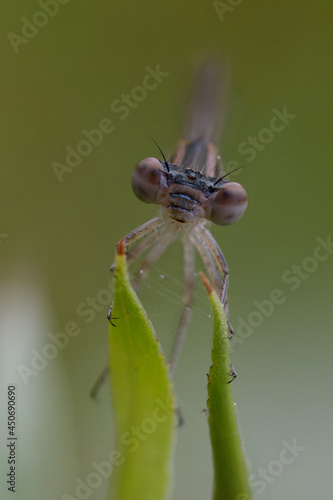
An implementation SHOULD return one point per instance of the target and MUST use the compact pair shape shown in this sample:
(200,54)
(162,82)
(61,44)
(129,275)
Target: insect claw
(109,315)
(231,330)
(232,374)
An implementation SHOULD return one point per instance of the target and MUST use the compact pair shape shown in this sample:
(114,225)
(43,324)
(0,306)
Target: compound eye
(146,179)
(229,204)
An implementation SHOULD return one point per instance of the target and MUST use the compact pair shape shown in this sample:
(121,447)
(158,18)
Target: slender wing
(204,120)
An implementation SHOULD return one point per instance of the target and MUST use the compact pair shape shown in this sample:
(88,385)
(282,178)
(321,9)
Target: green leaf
(143,404)
(230,474)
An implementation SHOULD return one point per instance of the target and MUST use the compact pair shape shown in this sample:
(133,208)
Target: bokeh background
(57,238)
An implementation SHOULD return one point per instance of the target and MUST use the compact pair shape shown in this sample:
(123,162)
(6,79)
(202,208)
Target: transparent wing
(204,120)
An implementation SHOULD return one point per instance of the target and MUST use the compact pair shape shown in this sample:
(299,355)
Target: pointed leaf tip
(121,247)
(206,283)
(139,376)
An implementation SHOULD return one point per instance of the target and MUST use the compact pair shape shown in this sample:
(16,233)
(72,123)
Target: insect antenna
(228,173)
(164,158)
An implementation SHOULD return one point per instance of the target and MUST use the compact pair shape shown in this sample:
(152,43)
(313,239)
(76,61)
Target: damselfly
(192,190)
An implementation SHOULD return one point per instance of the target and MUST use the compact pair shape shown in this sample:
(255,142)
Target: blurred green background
(57,239)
